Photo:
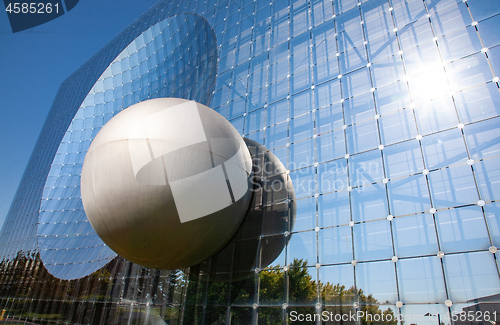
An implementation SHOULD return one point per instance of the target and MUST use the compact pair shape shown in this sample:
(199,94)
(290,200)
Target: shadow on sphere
(266,228)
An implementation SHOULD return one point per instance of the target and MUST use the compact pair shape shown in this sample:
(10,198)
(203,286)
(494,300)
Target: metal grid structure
(385,114)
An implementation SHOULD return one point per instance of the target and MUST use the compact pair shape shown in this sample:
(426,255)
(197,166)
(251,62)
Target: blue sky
(33,63)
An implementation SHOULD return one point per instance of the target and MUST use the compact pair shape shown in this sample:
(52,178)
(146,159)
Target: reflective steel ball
(166,183)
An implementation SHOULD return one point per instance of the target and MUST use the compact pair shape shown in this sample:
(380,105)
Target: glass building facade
(385,114)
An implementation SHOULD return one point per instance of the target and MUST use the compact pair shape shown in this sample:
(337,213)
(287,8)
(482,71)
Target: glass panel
(331,276)
(335,245)
(471,276)
(359,108)
(482,139)
(362,137)
(462,229)
(356,83)
(408,195)
(305,218)
(421,280)
(488,179)
(436,115)
(459,44)
(277,112)
(487,30)
(444,149)
(302,246)
(451,187)
(330,146)
(334,209)
(369,202)
(468,72)
(478,103)
(387,71)
(366,168)
(329,118)
(332,176)
(403,159)
(301,127)
(448,16)
(397,126)
(415,235)
(301,154)
(492,213)
(373,241)
(392,97)
(377,279)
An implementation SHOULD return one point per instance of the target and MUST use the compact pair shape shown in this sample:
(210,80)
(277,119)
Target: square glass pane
(301,154)
(334,209)
(492,213)
(352,59)
(428,85)
(301,103)
(488,179)
(377,279)
(421,58)
(444,149)
(403,159)
(452,187)
(487,30)
(468,72)
(255,121)
(362,137)
(305,218)
(448,16)
(416,33)
(481,9)
(398,126)
(356,83)
(372,241)
(301,127)
(277,112)
(304,181)
(277,135)
(369,202)
(478,103)
(327,94)
(459,44)
(471,276)
(302,246)
(332,176)
(408,195)
(366,168)
(378,18)
(415,235)
(335,245)
(421,280)
(330,146)
(436,115)
(482,139)
(329,118)
(382,47)
(387,71)
(392,97)
(326,70)
(359,108)
(342,275)
(462,230)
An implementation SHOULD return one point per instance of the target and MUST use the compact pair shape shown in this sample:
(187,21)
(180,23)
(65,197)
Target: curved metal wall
(173,58)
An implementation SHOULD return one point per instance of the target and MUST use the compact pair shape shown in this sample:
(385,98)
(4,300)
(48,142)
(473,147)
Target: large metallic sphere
(166,183)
